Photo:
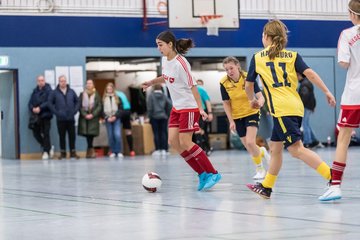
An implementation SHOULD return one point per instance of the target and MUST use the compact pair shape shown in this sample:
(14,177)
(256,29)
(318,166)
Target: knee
(295,151)
(250,144)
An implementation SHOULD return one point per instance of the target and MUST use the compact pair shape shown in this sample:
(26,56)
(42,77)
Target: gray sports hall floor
(104,199)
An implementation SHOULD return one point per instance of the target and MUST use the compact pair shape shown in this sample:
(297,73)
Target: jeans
(41,133)
(63,128)
(114,135)
(309,136)
(159,127)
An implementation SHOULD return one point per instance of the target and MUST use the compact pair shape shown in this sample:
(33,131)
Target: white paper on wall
(76,76)
(61,70)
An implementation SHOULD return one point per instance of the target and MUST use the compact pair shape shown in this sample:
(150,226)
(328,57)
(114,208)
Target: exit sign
(4,61)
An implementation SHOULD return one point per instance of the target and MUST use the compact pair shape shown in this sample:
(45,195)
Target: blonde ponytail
(277,31)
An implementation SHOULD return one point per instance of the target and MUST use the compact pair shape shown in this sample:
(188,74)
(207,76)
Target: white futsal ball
(151,182)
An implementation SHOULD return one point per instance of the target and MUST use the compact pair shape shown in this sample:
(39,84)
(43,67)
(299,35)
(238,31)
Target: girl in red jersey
(187,108)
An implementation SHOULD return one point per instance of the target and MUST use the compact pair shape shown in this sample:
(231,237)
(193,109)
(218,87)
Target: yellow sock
(324,170)
(269,180)
(257,160)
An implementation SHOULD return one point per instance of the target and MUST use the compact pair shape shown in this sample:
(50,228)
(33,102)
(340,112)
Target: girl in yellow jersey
(242,118)
(278,70)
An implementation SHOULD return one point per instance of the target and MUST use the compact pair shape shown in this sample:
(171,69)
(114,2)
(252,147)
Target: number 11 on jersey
(276,84)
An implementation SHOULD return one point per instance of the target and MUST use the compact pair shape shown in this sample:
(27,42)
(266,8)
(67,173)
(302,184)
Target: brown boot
(74,155)
(92,153)
(88,153)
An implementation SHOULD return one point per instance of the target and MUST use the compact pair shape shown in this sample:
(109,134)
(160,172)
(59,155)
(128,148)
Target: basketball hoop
(211,22)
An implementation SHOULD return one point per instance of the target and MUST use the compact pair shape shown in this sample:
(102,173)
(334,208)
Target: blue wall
(41,31)
(38,43)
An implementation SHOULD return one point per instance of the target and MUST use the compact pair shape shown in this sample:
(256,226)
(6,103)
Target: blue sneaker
(212,179)
(202,180)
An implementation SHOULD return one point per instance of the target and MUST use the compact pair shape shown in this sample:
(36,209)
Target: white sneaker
(164,153)
(265,154)
(333,193)
(260,173)
(112,155)
(52,151)
(45,156)
(120,155)
(156,153)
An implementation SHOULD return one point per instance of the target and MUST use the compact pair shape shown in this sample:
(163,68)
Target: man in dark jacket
(306,92)
(64,104)
(38,106)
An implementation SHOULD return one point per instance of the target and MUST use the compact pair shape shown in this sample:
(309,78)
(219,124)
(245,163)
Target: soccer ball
(151,182)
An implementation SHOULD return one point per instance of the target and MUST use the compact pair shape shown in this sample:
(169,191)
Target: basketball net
(211,22)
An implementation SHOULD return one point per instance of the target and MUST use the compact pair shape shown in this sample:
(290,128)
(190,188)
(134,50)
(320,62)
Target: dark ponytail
(182,45)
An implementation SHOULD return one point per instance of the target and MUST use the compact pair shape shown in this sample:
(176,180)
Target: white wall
(211,83)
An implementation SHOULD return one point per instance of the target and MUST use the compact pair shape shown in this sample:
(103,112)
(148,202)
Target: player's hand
(145,85)
(203,114)
(255,104)
(261,102)
(330,99)
(232,126)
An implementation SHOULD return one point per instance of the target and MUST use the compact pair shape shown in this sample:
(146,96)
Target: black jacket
(39,98)
(306,92)
(64,106)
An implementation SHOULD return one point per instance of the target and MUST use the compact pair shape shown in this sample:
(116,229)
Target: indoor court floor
(104,199)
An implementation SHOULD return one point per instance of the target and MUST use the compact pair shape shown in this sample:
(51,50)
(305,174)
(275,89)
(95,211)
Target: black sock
(130,142)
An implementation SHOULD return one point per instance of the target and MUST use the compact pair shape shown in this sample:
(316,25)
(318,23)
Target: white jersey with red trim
(179,80)
(349,52)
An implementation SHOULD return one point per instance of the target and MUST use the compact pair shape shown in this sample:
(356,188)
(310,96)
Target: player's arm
(344,65)
(227,107)
(157,80)
(313,77)
(343,51)
(260,100)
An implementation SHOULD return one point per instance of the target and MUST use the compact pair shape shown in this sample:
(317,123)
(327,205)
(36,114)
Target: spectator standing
(90,111)
(126,121)
(112,112)
(64,104)
(159,108)
(306,92)
(38,106)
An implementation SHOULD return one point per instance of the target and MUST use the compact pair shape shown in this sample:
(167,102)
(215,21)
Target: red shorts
(349,118)
(185,120)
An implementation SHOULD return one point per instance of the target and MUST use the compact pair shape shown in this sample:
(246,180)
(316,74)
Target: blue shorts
(243,123)
(286,129)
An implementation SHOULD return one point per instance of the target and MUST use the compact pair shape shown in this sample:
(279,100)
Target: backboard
(187,14)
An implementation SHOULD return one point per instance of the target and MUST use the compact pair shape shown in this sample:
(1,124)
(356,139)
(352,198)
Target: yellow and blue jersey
(235,93)
(280,81)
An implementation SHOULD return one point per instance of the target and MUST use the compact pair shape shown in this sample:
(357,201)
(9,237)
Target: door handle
(2,115)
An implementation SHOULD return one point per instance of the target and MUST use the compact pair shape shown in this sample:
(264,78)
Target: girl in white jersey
(349,118)
(184,117)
